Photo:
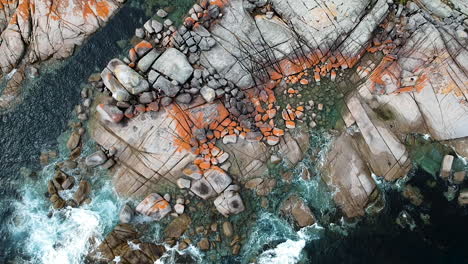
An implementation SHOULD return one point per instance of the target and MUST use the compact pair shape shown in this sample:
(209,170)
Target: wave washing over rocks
(265,131)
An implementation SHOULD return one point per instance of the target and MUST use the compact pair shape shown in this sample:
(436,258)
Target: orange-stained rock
(304,81)
(143,47)
(205,165)
(154,206)
(271,113)
(290,124)
(278,132)
(272,140)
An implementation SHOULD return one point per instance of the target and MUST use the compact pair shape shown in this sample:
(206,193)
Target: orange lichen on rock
(183,127)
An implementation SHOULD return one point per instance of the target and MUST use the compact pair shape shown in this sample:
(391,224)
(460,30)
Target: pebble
(179,208)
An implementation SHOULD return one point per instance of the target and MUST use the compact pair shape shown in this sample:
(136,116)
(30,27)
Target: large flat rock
(348,176)
(153,148)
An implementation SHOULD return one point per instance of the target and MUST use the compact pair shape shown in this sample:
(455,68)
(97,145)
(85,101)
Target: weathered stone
(166,86)
(119,92)
(204,244)
(183,183)
(228,230)
(193,172)
(130,79)
(178,226)
(82,193)
(229,202)
(154,206)
(179,208)
(230,139)
(459,177)
(299,210)
(348,177)
(174,64)
(208,94)
(126,214)
(110,113)
(73,140)
(446,166)
(96,159)
(161,13)
(202,189)
(145,63)
(108,164)
(184,98)
(218,179)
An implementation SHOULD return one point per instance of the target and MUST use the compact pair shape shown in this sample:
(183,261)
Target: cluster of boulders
(202,13)
(73,168)
(210,183)
(123,245)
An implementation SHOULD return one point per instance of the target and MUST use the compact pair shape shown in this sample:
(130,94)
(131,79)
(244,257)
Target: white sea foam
(67,236)
(288,252)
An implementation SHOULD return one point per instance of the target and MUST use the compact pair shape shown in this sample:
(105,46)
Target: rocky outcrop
(348,176)
(298,209)
(123,246)
(35,31)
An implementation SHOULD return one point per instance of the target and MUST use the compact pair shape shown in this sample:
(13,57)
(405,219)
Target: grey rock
(184,98)
(130,79)
(202,189)
(145,98)
(166,86)
(109,113)
(153,76)
(126,214)
(208,94)
(197,74)
(174,64)
(140,33)
(108,164)
(157,26)
(229,203)
(119,92)
(168,23)
(145,63)
(218,179)
(161,13)
(148,27)
(96,159)
(165,101)
(183,183)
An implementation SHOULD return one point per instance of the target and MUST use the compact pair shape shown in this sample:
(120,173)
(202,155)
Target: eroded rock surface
(37,30)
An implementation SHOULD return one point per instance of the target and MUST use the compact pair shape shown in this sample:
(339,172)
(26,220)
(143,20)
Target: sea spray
(63,236)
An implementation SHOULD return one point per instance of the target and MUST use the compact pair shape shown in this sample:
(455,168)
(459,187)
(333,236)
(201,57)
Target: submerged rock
(295,207)
(126,214)
(178,226)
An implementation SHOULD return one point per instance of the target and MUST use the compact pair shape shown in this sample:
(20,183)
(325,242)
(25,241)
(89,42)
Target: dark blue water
(35,124)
